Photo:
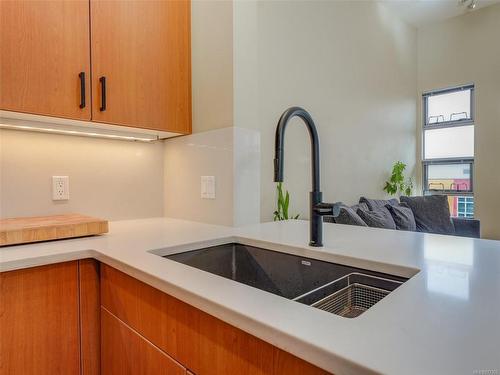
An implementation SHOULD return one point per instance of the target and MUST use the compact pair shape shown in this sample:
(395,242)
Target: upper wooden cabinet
(142,50)
(44,46)
(137,54)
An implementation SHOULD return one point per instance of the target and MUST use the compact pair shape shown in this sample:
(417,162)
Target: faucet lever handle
(328,209)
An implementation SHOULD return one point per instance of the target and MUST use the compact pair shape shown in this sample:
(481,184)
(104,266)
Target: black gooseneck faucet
(317,208)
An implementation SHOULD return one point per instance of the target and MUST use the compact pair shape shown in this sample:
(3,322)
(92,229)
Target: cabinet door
(44,47)
(39,331)
(142,51)
(90,320)
(124,351)
(201,342)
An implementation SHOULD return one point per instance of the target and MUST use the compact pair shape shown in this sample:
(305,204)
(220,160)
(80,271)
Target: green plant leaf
(286,205)
(283,204)
(397,180)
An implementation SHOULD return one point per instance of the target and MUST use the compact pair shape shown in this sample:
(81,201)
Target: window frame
(466,204)
(441,125)
(451,123)
(448,161)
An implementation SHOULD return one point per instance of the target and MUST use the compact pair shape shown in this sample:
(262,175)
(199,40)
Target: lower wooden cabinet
(200,342)
(90,321)
(87,318)
(40,320)
(125,352)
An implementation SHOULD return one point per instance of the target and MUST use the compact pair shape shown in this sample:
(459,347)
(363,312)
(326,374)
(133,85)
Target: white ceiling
(423,12)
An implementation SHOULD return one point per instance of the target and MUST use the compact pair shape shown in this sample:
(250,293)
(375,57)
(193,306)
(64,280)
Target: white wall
(462,50)
(353,66)
(212,64)
(109,179)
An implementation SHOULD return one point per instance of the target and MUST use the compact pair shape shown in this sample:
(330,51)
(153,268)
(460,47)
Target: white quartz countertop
(444,320)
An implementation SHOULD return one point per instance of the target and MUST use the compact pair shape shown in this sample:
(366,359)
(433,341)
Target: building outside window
(448,147)
(465,207)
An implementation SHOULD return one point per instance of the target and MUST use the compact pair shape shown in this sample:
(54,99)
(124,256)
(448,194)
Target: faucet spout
(279,144)
(317,207)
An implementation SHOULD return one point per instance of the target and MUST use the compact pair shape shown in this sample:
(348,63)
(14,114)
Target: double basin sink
(339,289)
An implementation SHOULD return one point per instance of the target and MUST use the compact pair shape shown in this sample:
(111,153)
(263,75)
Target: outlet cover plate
(207,187)
(60,188)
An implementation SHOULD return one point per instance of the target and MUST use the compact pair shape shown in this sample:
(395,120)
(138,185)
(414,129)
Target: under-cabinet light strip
(78,133)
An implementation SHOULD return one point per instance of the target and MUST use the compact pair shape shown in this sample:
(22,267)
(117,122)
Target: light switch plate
(60,188)
(207,187)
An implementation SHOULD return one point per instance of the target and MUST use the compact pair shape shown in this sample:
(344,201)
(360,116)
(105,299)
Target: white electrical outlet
(207,187)
(60,188)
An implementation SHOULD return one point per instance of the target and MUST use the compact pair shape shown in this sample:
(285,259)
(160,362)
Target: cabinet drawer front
(124,351)
(199,341)
(167,322)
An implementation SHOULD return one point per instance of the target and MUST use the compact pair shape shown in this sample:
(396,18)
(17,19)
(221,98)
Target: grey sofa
(466,227)
(428,214)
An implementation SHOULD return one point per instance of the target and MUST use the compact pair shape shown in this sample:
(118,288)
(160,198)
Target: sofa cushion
(403,216)
(466,227)
(362,206)
(432,213)
(377,218)
(378,204)
(373,204)
(348,216)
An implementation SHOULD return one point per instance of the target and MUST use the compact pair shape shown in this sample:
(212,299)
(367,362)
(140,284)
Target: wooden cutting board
(43,228)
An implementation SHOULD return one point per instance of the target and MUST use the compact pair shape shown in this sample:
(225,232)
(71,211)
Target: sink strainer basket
(353,299)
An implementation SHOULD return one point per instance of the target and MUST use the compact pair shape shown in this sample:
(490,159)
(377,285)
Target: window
(465,207)
(448,147)
(450,105)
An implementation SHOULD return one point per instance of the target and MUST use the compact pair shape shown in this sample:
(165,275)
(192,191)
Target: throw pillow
(378,205)
(378,218)
(348,216)
(374,204)
(432,213)
(403,216)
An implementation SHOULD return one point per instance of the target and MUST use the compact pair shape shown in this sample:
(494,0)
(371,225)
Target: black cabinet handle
(102,80)
(82,89)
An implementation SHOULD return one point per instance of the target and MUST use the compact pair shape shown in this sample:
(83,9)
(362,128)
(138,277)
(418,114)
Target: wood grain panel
(225,349)
(126,352)
(143,48)
(90,321)
(43,228)
(44,46)
(39,320)
(199,341)
(169,323)
(287,364)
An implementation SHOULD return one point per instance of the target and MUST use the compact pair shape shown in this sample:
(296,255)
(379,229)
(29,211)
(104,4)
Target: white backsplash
(108,178)
(230,154)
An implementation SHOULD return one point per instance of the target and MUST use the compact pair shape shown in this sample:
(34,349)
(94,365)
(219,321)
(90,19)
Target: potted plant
(398,182)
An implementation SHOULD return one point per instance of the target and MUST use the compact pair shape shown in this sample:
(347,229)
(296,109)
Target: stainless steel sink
(305,280)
